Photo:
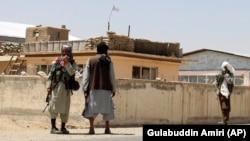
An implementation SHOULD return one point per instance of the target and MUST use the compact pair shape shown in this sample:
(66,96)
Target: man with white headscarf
(225,84)
(58,87)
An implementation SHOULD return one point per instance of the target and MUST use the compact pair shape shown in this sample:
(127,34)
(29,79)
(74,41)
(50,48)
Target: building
(16,32)
(207,63)
(46,33)
(133,58)
(12,39)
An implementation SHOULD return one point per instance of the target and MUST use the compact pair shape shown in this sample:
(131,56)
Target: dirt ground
(23,130)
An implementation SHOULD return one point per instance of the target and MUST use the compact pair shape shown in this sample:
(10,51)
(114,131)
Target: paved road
(113,138)
(29,134)
(118,134)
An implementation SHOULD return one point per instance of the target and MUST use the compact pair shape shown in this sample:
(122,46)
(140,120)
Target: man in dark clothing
(99,87)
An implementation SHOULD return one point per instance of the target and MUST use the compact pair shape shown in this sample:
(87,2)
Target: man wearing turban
(62,70)
(225,84)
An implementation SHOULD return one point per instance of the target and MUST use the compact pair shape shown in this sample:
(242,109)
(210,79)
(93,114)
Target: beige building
(14,35)
(127,64)
(133,58)
(46,33)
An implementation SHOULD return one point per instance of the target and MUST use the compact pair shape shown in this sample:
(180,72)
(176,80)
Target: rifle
(47,100)
(49,93)
(86,94)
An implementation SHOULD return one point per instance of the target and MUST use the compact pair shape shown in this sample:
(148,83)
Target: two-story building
(133,58)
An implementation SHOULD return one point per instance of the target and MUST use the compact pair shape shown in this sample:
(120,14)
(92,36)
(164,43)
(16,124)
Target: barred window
(139,72)
(207,79)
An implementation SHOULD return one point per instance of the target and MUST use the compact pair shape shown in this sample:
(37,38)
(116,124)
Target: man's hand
(66,59)
(49,90)
(113,94)
(48,97)
(85,95)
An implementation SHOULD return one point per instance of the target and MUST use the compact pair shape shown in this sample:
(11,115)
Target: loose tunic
(60,101)
(225,88)
(99,99)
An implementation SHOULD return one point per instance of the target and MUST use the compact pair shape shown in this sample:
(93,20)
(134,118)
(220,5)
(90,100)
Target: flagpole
(109,18)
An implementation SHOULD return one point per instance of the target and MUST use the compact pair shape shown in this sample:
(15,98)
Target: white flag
(115,9)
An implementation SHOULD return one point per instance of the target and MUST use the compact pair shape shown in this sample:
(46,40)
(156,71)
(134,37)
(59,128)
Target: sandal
(107,131)
(91,131)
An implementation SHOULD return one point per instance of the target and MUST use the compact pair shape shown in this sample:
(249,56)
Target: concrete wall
(137,102)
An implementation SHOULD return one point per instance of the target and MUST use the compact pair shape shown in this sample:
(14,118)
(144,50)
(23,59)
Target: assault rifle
(47,101)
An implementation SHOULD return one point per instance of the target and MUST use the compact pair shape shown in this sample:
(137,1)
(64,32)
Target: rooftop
(18,30)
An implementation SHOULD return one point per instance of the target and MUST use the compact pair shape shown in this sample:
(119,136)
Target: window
(210,79)
(183,78)
(136,72)
(36,34)
(57,35)
(207,79)
(238,80)
(202,79)
(43,68)
(144,73)
(193,79)
(47,68)
(153,73)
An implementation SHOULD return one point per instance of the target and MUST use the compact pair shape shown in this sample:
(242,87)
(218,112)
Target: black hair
(102,47)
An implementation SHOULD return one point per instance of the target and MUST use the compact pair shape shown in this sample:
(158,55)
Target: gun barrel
(45,107)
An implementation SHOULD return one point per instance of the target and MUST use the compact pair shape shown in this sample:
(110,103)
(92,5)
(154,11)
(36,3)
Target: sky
(222,25)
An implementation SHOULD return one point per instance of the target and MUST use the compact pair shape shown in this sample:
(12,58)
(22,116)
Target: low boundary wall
(137,102)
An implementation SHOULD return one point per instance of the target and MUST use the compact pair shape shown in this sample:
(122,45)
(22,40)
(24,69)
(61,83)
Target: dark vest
(99,75)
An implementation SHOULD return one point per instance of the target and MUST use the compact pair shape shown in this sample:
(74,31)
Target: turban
(69,47)
(228,66)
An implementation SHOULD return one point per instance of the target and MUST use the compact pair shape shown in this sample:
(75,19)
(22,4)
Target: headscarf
(58,62)
(102,49)
(69,47)
(228,66)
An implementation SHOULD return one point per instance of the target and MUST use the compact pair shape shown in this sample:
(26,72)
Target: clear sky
(222,25)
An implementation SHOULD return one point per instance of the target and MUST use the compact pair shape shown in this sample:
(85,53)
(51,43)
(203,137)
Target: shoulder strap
(53,77)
